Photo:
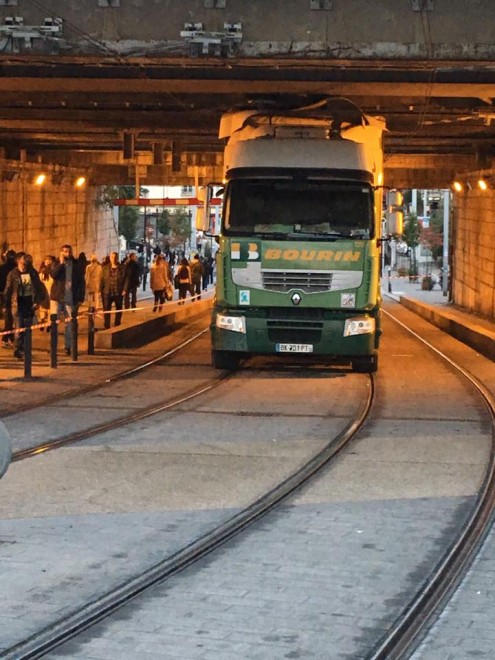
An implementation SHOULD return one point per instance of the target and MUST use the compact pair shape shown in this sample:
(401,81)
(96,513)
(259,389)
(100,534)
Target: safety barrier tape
(100,312)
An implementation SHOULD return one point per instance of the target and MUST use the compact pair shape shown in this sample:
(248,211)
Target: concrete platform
(140,331)
(474,331)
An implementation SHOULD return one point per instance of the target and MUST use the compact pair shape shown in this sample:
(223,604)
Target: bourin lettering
(273,254)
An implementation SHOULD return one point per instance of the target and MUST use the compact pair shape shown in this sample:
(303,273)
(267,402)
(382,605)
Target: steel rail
(84,434)
(86,389)
(413,624)
(76,622)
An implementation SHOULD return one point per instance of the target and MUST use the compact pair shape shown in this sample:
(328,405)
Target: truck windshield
(293,208)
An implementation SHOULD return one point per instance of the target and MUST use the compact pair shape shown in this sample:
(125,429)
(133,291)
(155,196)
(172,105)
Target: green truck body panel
(274,286)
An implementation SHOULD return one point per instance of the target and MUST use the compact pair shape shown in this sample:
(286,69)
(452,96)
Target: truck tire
(365,364)
(225,360)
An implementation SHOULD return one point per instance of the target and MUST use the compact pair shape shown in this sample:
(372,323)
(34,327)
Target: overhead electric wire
(426,28)
(84,35)
(114,54)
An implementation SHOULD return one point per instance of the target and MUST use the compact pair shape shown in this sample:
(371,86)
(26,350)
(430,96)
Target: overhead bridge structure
(105,84)
(121,90)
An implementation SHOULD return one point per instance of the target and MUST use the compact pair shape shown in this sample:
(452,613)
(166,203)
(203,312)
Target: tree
(128,215)
(432,236)
(163,223)
(411,234)
(128,221)
(180,225)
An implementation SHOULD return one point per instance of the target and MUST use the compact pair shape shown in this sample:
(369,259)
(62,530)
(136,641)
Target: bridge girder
(440,115)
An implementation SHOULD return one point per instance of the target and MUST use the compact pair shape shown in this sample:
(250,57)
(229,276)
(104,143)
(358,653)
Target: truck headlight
(359,325)
(234,323)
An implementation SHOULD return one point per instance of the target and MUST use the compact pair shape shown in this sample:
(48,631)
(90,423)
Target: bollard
(53,341)
(389,280)
(28,349)
(91,331)
(74,330)
(5,450)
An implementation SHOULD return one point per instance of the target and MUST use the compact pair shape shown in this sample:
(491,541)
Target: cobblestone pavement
(320,579)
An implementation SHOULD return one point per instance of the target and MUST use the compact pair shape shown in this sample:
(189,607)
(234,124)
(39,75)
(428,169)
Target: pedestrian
(92,278)
(45,273)
(24,292)
(211,262)
(112,286)
(68,291)
(144,270)
(196,276)
(159,282)
(132,279)
(206,273)
(8,264)
(83,261)
(184,281)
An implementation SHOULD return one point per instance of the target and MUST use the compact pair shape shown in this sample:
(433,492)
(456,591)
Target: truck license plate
(294,348)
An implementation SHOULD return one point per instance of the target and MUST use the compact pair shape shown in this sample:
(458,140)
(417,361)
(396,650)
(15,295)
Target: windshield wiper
(320,234)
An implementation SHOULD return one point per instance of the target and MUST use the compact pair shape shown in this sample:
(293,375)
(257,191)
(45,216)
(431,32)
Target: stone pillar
(473,250)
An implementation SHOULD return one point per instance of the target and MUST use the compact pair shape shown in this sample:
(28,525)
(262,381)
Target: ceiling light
(39,179)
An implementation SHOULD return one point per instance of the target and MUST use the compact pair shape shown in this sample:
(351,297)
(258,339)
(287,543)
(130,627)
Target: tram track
(400,640)
(134,416)
(101,607)
(95,386)
(414,622)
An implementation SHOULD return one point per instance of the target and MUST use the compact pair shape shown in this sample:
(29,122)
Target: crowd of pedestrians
(57,288)
(62,284)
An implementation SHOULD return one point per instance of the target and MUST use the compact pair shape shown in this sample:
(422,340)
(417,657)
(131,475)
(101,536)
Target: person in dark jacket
(132,279)
(196,276)
(68,290)
(206,273)
(8,264)
(24,292)
(183,279)
(112,286)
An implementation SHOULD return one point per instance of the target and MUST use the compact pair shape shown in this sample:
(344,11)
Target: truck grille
(295,326)
(309,282)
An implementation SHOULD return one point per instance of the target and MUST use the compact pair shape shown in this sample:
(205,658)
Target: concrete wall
(40,220)
(473,268)
(350,29)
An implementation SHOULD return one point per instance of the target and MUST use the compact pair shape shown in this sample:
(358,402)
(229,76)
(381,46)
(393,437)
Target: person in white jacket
(159,281)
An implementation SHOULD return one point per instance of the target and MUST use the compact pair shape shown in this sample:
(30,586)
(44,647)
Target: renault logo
(296,299)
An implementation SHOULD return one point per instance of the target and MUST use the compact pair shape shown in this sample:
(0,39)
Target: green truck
(298,264)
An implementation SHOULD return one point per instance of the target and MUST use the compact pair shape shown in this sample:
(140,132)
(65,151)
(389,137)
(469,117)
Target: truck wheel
(366,364)
(224,360)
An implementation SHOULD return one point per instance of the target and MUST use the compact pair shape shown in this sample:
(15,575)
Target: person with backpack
(184,280)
